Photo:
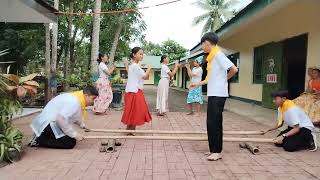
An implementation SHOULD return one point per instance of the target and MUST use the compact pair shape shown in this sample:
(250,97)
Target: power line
(116,11)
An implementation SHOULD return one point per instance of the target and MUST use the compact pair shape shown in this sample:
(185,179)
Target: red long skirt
(136,110)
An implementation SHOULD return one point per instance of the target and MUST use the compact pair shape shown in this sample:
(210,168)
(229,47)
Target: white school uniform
(218,80)
(294,116)
(65,105)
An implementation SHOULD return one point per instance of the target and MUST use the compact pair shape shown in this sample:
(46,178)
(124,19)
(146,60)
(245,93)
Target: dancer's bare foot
(130,134)
(161,114)
(190,113)
(214,157)
(101,113)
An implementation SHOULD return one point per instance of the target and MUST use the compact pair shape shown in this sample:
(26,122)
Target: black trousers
(47,139)
(299,141)
(214,123)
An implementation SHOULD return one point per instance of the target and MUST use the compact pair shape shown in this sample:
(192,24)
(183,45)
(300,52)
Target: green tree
(152,48)
(216,13)
(169,47)
(117,30)
(173,49)
(25,43)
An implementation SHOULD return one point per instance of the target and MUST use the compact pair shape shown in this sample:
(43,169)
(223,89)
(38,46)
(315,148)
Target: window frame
(257,60)
(236,61)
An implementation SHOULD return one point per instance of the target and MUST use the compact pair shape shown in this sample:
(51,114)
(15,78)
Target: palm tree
(216,13)
(95,37)
(118,33)
(48,60)
(54,52)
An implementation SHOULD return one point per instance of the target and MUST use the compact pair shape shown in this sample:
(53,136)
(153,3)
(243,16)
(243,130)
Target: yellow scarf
(79,95)
(285,106)
(209,59)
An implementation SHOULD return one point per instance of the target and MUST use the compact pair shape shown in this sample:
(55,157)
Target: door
(156,77)
(272,71)
(295,56)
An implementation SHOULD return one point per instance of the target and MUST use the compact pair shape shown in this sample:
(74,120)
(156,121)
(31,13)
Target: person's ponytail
(100,56)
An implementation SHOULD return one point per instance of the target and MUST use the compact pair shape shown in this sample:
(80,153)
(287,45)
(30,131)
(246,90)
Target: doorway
(156,77)
(294,56)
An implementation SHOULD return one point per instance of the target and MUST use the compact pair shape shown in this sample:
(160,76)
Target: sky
(174,21)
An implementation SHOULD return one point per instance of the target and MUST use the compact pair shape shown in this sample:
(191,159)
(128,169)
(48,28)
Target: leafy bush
(80,78)
(116,79)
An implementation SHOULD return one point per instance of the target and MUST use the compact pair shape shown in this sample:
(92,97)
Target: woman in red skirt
(136,111)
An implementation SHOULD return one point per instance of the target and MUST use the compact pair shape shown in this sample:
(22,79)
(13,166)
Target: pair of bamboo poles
(186,138)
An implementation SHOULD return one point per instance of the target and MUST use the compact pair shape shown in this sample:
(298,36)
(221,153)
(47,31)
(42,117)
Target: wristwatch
(284,135)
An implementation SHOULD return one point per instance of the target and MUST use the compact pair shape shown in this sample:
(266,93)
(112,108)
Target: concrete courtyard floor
(159,159)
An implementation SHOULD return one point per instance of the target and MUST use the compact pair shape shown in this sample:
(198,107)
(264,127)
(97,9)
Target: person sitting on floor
(310,100)
(299,134)
(53,126)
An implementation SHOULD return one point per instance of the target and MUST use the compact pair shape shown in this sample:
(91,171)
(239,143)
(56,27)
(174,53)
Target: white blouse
(101,69)
(135,78)
(197,74)
(61,112)
(164,71)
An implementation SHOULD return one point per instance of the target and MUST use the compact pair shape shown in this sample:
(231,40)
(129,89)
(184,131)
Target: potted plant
(117,89)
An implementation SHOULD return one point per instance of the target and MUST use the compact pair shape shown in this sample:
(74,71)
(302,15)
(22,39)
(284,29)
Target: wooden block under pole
(186,138)
(171,132)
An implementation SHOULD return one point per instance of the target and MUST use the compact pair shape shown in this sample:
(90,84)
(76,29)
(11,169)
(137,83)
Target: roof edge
(43,8)
(247,12)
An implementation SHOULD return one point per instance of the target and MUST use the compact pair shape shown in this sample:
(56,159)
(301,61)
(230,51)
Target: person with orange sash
(219,70)
(309,101)
(299,134)
(53,126)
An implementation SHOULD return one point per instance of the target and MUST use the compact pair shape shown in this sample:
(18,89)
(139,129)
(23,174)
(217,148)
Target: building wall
(297,18)
(151,78)
(149,81)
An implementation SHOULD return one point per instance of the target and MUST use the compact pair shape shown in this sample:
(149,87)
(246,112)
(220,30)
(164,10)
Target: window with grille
(257,65)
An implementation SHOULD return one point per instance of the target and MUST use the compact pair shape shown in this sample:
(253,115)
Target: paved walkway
(177,99)
(157,159)
(26,112)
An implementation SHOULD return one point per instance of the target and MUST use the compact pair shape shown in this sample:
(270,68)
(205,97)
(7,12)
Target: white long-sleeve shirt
(61,112)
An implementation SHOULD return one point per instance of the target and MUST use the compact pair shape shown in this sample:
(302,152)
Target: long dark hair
(134,51)
(162,58)
(100,56)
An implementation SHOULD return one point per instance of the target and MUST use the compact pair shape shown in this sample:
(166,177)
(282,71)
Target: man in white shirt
(219,70)
(53,126)
(299,134)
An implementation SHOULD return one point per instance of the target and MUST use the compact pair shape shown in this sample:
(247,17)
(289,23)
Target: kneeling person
(53,126)
(299,134)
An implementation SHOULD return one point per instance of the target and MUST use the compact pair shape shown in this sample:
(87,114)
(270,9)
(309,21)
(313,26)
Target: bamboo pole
(252,148)
(187,138)
(171,132)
